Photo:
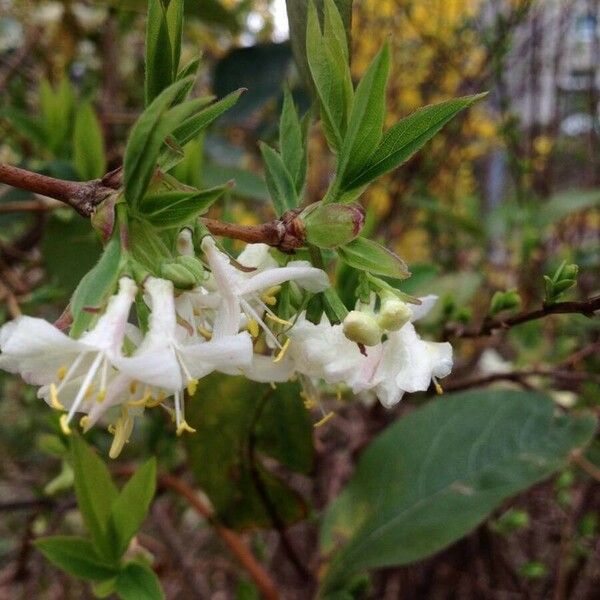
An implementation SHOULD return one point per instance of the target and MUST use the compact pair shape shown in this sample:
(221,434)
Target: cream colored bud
(185,245)
(394,313)
(362,328)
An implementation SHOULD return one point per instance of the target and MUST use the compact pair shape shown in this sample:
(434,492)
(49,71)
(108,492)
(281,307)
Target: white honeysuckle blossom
(170,359)
(239,294)
(402,363)
(74,373)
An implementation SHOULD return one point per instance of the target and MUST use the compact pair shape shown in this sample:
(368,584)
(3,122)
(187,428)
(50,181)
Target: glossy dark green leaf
(238,422)
(437,473)
(402,140)
(88,144)
(77,556)
(95,492)
(137,581)
(171,209)
(146,139)
(130,507)
(95,288)
(279,181)
(368,255)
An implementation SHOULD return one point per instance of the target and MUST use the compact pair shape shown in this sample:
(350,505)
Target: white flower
(323,352)
(408,363)
(249,294)
(170,359)
(74,373)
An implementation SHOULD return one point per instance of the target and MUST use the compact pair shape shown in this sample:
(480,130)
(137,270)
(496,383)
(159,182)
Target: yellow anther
(273,386)
(324,420)
(438,388)
(62,371)
(283,350)
(205,333)
(338,394)
(253,328)
(278,320)
(54,402)
(143,401)
(192,386)
(100,396)
(154,402)
(84,423)
(133,387)
(309,402)
(89,391)
(184,427)
(268,296)
(64,424)
(122,431)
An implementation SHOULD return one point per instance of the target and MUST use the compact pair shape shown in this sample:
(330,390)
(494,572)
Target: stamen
(273,317)
(54,402)
(84,386)
(324,420)
(283,350)
(253,328)
(185,427)
(100,396)
(133,387)
(62,371)
(71,370)
(122,431)
(84,423)
(251,314)
(64,424)
(205,333)
(192,386)
(268,296)
(438,388)
(154,402)
(273,385)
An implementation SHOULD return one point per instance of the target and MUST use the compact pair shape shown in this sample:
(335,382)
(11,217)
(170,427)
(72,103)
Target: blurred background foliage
(504,195)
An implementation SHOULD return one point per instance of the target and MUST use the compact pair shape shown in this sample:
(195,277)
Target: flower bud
(362,328)
(185,272)
(332,225)
(394,313)
(185,244)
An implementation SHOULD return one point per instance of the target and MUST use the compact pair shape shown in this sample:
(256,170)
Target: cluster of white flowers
(114,370)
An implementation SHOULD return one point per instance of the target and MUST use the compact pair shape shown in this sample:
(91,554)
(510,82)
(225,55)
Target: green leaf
(171,209)
(146,139)
(291,142)
(159,53)
(147,246)
(564,204)
(174,18)
(279,181)
(297,15)
(95,493)
(332,82)
(77,556)
(88,144)
(238,422)
(130,508)
(95,288)
(366,120)
(193,126)
(436,474)
(56,107)
(137,581)
(367,255)
(402,140)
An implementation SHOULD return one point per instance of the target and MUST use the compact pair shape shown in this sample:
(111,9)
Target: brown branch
(285,233)
(585,307)
(518,377)
(590,468)
(237,546)
(83,196)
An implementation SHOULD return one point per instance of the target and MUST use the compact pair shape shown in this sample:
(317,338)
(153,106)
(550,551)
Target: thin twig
(83,196)
(584,307)
(590,468)
(518,377)
(237,546)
